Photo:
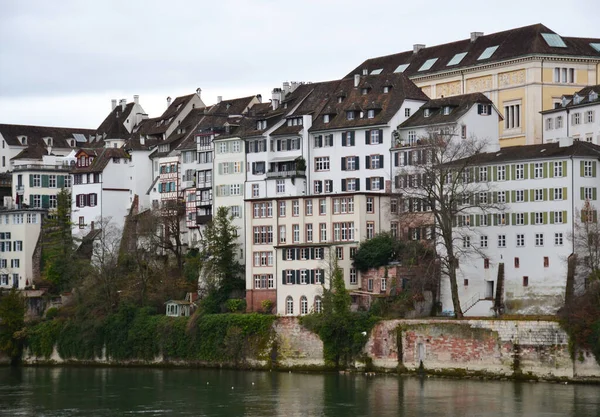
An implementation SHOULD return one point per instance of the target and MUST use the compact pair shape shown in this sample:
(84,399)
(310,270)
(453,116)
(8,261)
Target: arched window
(318,304)
(303,305)
(289,305)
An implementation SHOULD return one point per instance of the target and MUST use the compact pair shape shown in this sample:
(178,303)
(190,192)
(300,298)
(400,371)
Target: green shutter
(545,192)
(489,219)
(495,174)
(513,172)
(513,196)
(31,180)
(594,163)
(526,218)
(507,196)
(582,193)
(545,217)
(594,190)
(489,173)
(545,170)
(472,220)
(525,196)
(531,195)
(496,220)
(478,221)
(551,170)
(45,181)
(60,181)
(581,168)
(551,194)
(564,216)
(565,193)
(46,200)
(564,169)
(528,168)
(495,197)
(551,217)
(514,218)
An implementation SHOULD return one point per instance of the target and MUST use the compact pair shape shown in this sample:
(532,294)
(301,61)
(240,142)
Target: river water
(79,391)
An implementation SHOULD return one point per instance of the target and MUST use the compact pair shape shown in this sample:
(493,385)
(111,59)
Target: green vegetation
(344,333)
(138,334)
(376,252)
(12,313)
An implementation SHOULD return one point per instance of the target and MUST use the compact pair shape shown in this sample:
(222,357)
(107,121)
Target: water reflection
(111,391)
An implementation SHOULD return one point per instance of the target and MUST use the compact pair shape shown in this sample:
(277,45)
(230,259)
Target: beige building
(523,71)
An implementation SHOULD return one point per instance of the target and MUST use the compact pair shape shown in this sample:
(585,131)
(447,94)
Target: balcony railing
(203,219)
(188,184)
(36,167)
(203,203)
(286,174)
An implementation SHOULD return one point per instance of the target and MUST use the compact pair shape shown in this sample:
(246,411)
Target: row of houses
(322,166)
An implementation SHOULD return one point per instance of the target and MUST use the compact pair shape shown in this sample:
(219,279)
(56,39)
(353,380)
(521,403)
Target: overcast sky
(61,62)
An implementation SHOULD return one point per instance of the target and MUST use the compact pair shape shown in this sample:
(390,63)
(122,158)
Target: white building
(576,116)
(544,189)
(19,240)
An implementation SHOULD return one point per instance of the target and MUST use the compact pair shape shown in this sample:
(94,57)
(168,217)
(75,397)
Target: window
(483,241)
(37,200)
(519,171)
(322,163)
(282,234)
(37,180)
(383,284)
(486,263)
(558,194)
(318,303)
(370,208)
(558,169)
(263,235)
(539,218)
(501,196)
(589,116)
(558,239)
(407,112)
(539,239)
(576,118)
(52,181)
(483,174)
(538,171)
(289,305)
(466,242)
(296,208)
(525,281)
(322,206)
(339,252)
(559,122)
(520,240)
(255,190)
(318,185)
(375,183)
(308,207)
(564,75)
(303,276)
(463,131)
(519,196)
(370,284)
(512,116)
(488,52)
(303,304)
(501,241)
(428,64)
(370,114)
(375,137)
(343,231)
(350,115)
(588,168)
(296,233)
(280,186)
(558,217)
(353,276)
(538,195)
(549,123)
(519,219)
(370,230)
(412,137)
(309,232)
(18,245)
(323,232)
(328,186)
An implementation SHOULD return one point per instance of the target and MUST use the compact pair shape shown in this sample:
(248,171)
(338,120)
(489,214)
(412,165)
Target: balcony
(20,189)
(204,184)
(203,203)
(188,184)
(203,219)
(286,174)
(40,167)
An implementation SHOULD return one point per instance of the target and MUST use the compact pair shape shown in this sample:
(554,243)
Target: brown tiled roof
(35,135)
(513,43)
(531,152)
(176,105)
(113,126)
(260,111)
(101,159)
(31,152)
(400,89)
(459,104)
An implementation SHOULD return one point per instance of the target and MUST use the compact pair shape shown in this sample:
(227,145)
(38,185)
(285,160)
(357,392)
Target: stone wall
(296,346)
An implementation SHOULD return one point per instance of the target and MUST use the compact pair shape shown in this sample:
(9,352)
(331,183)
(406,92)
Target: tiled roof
(584,95)
(35,135)
(459,106)
(400,89)
(532,152)
(31,152)
(513,43)
(113,126)
(101,159)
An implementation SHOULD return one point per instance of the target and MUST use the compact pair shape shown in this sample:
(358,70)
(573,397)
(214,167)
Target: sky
(61,62)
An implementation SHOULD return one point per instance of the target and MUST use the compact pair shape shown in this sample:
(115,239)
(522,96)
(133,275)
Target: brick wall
(254,299)
(297,346)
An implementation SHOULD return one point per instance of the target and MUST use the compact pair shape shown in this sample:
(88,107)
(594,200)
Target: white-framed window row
(512,115)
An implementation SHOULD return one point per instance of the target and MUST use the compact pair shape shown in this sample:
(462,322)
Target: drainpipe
(573,214)
(542,116)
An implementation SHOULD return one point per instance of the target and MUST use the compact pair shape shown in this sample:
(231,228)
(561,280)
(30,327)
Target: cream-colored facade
(527,82)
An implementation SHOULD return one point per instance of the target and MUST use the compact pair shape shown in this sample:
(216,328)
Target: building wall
(584,131)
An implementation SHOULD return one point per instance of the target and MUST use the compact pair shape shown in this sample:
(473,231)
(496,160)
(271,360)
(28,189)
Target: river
(89,391)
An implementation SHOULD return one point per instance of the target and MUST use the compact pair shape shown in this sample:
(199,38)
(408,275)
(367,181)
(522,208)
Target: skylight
(376,71)
(428,64)
(489,51)
(596,46)
(456,59)
(401,67)
(552,39)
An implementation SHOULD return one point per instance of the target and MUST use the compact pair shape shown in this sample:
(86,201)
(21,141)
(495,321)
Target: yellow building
(523,71)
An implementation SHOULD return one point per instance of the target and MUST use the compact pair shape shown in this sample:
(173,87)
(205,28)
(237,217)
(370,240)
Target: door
(489,289)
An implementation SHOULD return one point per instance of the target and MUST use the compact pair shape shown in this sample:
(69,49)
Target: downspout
(573,214)
(542,73)
(462,84)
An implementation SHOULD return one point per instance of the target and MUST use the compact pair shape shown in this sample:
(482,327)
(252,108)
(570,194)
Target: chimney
(475,35)
(219,99)
(113,104)
(417,47)
(356,80)
(276,97)
(286,88)
(136,99)
(168,101)
(565,142)
(198,91)
(259,98)
(293,86)
(123,104)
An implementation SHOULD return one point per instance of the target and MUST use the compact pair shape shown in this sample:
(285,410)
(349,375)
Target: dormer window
(72,141)
(593,96)
(48,141)
(426,113)
(261,124)
(447,110)
(576,99)
(370,114)
(23,140)
(289,122)
(386,89)
(364,91)
(350,115)
(325,118)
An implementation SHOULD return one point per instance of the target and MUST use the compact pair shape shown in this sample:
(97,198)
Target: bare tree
(444,189)
(586,243)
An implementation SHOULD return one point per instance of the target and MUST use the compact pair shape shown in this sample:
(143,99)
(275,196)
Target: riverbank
(491,349)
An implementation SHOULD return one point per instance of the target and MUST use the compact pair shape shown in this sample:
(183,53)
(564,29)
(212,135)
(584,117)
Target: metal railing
(286,174)
(25,167)
(471,302)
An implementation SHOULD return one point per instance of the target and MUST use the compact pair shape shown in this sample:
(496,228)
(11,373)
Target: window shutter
(525,195)
(357,162)
(532,217)
(479,108)
(564,216)
(312,276)
(551,173)
(343,163)
(594,193)
(532,195)
(581,169)
(367,162)
(545,217)
(495,173)
(381,161)
(582,193)
(380,135)
(368,182)
(283,255)
(344,140)
(545,170)
(357,184)
(45,181)
(397,181)
(489,219)
(489,109)
(396,156)
(60,181)
(551,194)
(283,277)
(220,169)
(514,218)
(478,221)
(381,183)
(409,153)
(368,134)
(86,199)
(531,170)
(351,138)
(545,194)
(564,169)
(513,196)
(513,172)
(31,180)
(594,163)
(343,184)
(551,217)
